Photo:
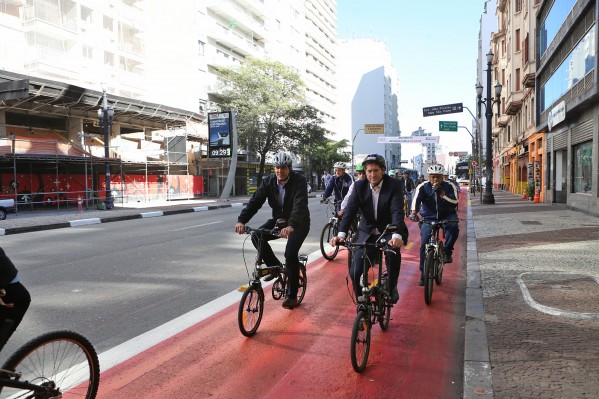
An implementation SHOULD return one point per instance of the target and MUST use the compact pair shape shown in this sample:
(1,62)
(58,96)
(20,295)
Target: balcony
(234,39)
(529,80)
(514,102)
(503,120)
(49,20)
(244,18)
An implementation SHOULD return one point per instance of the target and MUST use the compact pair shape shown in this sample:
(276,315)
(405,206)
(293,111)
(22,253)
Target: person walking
(287,195)
(436,200)
(379,199)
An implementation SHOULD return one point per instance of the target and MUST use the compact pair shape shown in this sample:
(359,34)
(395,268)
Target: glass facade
(577,64)
(554,20)
(583,173)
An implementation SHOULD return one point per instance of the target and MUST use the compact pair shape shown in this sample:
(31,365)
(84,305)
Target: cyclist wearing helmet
(436,200)
(393,173)
(339,184)
(379,199)
(360,175)
(287,195)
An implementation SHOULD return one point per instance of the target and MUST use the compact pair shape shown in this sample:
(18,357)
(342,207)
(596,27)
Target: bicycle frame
(25,385)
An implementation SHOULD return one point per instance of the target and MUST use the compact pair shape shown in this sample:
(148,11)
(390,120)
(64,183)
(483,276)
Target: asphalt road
(112,282)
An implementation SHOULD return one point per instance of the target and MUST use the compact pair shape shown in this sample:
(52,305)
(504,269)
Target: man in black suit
(388,195)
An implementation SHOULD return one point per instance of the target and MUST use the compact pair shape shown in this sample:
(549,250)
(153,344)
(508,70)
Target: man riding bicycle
(14,299)
(379,199)
(287,195)
(339,185)
(436,200)
(409,187)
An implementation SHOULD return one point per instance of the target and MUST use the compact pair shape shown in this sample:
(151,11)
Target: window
(583,174)
(518,5)
(517,40)
(108,58)
(86,14)
(107,23)
(201,47)
(87,52)
(503,48)
(517,79)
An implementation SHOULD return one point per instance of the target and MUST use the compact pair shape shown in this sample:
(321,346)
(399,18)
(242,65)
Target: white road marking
(196,226)
(549,310)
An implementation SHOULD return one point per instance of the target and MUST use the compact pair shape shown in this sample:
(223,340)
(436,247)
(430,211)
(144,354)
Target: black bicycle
(59,364)
(330,230)
(433,261)
(374,305)
(251,306)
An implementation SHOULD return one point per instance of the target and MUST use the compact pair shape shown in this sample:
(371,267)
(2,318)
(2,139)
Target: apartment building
(567,105)
(368,94)
(518,148)
(157,66)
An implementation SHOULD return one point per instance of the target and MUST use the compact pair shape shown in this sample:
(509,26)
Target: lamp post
(105,115)
(488,197)
(352,149)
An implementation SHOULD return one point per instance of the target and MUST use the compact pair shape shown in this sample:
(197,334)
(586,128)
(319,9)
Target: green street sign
(446,126)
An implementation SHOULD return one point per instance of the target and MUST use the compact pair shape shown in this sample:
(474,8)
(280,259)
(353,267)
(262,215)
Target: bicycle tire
(251,308)
(63,361)
(429,270)
(360,341)
(328,231)
(439,274)
(302,284)
(385,311)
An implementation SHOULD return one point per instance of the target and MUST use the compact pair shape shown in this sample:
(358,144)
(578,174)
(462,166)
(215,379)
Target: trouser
(452,231)
(10,318)
(294,243)
(392,261)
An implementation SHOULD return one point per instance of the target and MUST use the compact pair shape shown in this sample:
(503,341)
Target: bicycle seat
(303,258)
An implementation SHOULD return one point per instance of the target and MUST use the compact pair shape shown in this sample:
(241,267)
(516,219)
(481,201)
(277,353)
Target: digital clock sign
(219,135)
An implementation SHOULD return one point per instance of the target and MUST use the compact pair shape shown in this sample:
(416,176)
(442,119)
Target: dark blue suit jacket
(389,208)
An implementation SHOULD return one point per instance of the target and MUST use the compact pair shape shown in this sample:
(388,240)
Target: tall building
(429,150)
(368,91)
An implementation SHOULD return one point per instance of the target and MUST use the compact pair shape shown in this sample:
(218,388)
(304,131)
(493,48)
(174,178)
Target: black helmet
(375,158)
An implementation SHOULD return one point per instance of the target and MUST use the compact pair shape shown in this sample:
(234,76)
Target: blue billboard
(219,134)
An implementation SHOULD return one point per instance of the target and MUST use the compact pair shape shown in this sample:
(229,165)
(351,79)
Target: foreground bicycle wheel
(429,275)
(439,274)
(328,231)
(303,284)
(63,361)
(250,310)
(385,312)
(360,341)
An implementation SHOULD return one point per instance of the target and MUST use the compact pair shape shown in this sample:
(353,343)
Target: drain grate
(530,222)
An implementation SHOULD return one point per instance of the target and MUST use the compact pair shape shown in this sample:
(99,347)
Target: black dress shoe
(421,281)
(394,295)
(290,303)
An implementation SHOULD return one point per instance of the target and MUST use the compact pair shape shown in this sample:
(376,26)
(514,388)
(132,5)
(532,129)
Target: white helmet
(340,165)
(435,170)
(282,159)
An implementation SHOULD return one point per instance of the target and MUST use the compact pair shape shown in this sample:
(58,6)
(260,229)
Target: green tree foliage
(272,115)
(324,156)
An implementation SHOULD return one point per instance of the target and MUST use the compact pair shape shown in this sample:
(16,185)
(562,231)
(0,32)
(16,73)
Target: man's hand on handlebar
(336,240)
(239,228)
(286,232)
(413,217)
(396,242)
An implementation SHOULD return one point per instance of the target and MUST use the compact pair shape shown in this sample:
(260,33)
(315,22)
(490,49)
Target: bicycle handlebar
(274,231)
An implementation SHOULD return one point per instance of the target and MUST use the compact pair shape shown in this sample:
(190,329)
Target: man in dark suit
(387,193)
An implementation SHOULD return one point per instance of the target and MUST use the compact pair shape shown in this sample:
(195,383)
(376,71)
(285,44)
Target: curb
(478,378)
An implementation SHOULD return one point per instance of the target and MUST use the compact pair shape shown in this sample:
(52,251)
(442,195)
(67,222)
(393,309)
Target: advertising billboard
(219,135)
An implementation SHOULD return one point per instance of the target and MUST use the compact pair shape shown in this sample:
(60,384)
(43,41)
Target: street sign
(442,109)
(474,163)
(373,128)
(458,153)
(448,126)
(408,140)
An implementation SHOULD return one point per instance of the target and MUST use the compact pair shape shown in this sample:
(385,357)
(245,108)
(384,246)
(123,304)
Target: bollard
(79,205)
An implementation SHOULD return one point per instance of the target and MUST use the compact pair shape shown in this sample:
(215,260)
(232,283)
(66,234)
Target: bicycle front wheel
(384,306)
(360,341)
(429,276)
(439,274)
(64,363)
(328,231)
(250,310)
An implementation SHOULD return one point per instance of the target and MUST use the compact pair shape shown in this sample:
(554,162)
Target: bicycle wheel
(384,306)
(303,284)
(439,274)
(328,231)
(360,341)
(429,275)
(63,362)
(250,311)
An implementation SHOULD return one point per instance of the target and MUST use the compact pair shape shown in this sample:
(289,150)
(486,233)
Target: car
(6,206)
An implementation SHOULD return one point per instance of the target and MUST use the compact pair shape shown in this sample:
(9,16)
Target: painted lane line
(196,226)
(549,310)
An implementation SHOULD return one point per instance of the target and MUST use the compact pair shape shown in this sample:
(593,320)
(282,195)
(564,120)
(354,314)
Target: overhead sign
(448,126)
(409,140)
(219,134)
(442,109)
(372,128)
(458,153)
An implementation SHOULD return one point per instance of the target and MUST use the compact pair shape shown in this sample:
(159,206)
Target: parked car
(6,206)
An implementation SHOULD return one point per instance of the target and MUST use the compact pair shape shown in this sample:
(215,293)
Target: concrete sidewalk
(532,312)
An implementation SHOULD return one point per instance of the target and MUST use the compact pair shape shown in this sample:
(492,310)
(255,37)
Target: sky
(433,45)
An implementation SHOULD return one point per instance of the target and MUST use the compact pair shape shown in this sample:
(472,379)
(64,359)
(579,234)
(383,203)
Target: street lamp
(105,115)
(352,149)
(488,197)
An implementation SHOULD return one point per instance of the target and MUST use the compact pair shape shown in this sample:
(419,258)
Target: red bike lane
(305,353)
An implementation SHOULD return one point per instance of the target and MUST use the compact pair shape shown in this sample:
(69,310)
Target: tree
(323,157)
(269,100)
